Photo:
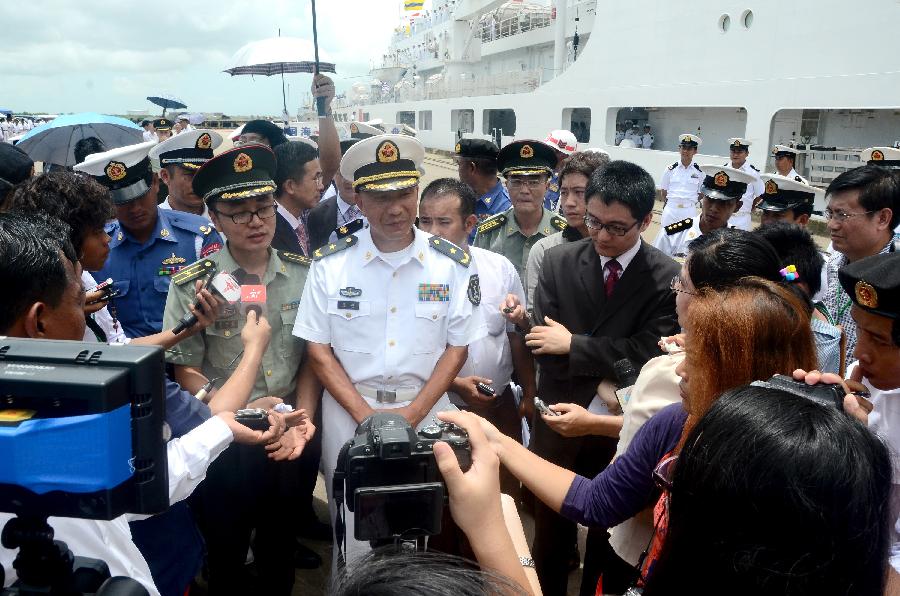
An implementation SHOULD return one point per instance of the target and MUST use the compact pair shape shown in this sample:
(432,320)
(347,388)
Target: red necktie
(614,270)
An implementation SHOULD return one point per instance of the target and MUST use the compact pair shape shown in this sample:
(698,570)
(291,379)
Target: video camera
(391,479)
(83,435)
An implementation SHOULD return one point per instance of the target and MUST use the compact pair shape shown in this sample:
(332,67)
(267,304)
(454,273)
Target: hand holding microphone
(222,285)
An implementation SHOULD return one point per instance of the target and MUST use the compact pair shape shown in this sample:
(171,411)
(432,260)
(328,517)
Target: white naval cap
(563,141)
(724,183)
(783,149)
(688,139)
(384,163)
(782,193)
(125,171)
(886,157)
(739,143)
(190,149)
(361,130)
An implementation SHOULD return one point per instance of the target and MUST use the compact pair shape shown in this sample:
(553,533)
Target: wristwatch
(526,562)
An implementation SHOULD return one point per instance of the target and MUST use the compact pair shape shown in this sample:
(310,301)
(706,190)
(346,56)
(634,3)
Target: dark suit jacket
(627,325)
(321,222)
(285,238)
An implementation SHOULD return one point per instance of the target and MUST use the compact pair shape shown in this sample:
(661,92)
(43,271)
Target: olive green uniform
(216,347)
(501,234)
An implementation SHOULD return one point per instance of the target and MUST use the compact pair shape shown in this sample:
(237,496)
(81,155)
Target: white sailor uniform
(682,185)
(674,239)
(741,219)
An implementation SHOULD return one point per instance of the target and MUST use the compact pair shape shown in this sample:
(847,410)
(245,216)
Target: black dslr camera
(391,479)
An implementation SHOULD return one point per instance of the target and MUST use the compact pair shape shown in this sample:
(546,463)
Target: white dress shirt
(624,259)
(165,205)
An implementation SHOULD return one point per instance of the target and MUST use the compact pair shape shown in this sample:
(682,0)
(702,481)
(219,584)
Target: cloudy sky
(96,55)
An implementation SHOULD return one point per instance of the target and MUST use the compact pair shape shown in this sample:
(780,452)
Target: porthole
(724,23)
(747,19)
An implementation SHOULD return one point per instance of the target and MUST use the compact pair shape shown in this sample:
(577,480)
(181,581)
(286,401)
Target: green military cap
(162,124)
(526,158)
(237,174)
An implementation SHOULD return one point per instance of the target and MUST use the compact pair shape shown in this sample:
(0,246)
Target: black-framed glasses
(531,182)
(677,285)
(612,229)
(842,216)
(664,471)
(245,217)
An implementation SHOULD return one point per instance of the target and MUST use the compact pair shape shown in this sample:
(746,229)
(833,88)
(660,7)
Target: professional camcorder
(391,479)
(82,434)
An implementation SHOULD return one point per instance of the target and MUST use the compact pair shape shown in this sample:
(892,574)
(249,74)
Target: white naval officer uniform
(491,356)
(647,140)
(675,238)
(389,318)
(741,218)
(682,186)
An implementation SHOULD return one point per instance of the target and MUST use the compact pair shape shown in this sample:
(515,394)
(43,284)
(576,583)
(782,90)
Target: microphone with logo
(222,284)
(253,296)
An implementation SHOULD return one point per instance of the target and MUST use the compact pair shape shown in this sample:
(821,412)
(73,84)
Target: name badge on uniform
(227,324)
(348,305)
(290,305)
(434,292)
(351,292)
(229,310)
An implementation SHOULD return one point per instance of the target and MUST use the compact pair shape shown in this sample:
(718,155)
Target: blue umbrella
(55,141)
(5,111)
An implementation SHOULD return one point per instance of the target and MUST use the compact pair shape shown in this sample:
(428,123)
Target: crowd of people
(625,383)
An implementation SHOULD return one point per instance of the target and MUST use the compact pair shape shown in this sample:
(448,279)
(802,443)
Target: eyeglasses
(245,217)
(612,229)
(663,472)
(531,183)
(678,286)
(842,216)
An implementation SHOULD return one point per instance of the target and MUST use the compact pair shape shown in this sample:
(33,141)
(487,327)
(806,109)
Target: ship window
(425,120)
(408,118)
(714,125)
(747,19)
(724,23)
(499,123)
(578,120)
(462,121)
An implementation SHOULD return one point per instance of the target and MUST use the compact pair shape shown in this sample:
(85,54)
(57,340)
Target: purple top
(626,486)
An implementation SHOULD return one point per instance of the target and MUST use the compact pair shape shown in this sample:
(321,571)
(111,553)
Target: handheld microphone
(223,284)
(253,296)
(627,376)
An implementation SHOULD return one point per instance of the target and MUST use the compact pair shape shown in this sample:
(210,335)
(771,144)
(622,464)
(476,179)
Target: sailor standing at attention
(681,182)
(720,197)
(740,149)
(388,313)
(784,163)
(527,166)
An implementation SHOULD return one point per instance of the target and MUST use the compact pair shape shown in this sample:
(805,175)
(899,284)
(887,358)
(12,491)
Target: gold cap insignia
(243,163)
(387,152)
(866,295)
(685,139)
(771,188)
(721,179)
(526,152)
(354,128)
(204,141)
(458,148)
(877,155)
(115,171)
(736,143)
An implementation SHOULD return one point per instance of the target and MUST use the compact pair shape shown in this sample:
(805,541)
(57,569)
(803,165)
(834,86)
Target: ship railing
(492,30)
(446,88)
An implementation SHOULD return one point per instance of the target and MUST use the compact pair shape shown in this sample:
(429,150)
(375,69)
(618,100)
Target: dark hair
(879,188)
(584,163)
(87,146)
(720,258)
(795,246)
(385,572)
(774,493)
(264,128)
(452,186)
(623,182)
(484,166)
(290,159)
(79,200)
(31,266)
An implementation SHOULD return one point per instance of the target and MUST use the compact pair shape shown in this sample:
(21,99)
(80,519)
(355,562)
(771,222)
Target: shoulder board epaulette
(673,166)
(558,222)
(206,230)
(294,258)
(679,226)
(491,223)
(193,271)
(754,167)
(698,167)
(333,247)
(451,250)
(350,228)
